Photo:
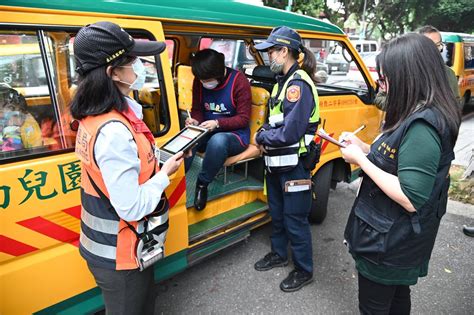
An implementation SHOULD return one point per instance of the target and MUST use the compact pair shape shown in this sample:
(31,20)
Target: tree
(454,16)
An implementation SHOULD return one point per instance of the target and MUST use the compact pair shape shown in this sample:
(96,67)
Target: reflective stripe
(105,225)
(141,226)
(275,119)
(153,222)
(296,145)
(307,139)
(101,250)
(282,160)
(161,238)
(99,224)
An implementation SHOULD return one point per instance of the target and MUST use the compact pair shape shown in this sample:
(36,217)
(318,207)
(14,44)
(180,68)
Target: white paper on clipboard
(322,134)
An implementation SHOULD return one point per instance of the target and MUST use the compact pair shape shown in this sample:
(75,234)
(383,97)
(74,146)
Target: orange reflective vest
(106,240)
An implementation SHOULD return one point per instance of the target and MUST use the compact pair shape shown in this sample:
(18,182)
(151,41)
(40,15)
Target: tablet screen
(181,140)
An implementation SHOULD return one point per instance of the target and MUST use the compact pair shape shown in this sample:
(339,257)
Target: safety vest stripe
(158,220)
(307,140)
(281,160)
(100,250)
(98,224)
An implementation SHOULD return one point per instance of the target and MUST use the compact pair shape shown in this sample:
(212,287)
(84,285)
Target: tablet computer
(182,141)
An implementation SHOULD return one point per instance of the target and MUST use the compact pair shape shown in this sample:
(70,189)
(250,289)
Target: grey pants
(126,291)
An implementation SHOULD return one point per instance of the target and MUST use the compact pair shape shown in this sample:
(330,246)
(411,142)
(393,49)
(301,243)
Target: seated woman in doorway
(222,104)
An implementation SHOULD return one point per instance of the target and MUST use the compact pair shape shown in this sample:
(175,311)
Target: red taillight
(372,69)
(353,68)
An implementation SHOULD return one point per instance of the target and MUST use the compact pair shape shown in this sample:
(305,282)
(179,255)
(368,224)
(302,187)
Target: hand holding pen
(190,120)
(349,138)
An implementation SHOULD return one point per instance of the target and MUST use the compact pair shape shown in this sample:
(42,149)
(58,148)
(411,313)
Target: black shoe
(296,280)
(200,197)
(271,260)
(468,230)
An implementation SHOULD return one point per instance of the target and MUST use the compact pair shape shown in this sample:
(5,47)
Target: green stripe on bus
(91,301)
(221,219)
(355,174)
(224,12)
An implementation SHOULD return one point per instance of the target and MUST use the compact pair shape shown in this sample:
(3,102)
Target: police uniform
(294,114)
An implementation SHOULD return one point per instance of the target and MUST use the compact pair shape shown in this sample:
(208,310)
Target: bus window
(152,96)
(25,102)
(170,46)
(332,66)
(236,51)
(468,56)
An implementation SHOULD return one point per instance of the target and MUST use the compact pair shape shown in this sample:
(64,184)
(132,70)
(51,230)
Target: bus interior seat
(260,97)
(185,79)
(262,76)
(149,98)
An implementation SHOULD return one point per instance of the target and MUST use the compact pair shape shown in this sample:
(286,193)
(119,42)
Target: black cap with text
(101,43)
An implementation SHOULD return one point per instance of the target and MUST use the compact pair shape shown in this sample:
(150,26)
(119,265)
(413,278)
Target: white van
(364,46)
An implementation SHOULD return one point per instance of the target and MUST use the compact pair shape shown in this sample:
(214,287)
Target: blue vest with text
(219,103)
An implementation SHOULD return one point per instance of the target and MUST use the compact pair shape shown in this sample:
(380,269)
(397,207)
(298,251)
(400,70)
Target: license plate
(333,68)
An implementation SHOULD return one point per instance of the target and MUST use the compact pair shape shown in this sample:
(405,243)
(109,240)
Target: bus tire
(320,193)
(466,100)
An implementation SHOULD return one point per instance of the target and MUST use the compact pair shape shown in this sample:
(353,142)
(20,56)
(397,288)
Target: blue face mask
(9,114)
(140,72)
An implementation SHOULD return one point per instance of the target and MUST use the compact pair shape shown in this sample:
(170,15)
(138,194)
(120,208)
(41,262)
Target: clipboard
(327,137)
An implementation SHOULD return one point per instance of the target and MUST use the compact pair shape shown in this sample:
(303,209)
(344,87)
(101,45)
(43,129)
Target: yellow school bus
(459,56)
(41,270)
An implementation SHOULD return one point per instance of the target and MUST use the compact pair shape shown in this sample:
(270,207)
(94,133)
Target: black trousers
(375,298)
(126,291)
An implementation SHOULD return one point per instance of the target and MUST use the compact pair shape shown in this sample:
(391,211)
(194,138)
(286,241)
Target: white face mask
(210,85)
(140,72)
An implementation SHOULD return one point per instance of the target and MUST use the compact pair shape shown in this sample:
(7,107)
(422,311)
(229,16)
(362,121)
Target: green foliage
(454,16)
(391,17)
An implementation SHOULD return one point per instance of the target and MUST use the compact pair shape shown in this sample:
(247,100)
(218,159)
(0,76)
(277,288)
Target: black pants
(126,291)
(375,298)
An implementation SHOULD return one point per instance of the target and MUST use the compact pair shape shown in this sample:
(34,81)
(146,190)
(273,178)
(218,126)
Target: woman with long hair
(394,221)
(122,186)
(286,141)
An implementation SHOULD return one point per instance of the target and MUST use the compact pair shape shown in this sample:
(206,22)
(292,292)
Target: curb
(468,116)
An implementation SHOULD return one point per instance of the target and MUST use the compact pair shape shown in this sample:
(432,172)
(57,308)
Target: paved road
(228,284)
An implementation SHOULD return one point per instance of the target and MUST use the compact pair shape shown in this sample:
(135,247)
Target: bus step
(205,228)
(221,241)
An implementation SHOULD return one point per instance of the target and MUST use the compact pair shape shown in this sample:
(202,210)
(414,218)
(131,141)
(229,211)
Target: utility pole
(290,4)
(362,33)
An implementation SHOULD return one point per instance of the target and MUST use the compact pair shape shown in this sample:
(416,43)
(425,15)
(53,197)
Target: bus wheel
(320,193)
(467,99)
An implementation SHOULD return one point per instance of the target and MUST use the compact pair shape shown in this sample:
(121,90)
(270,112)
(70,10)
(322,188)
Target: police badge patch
(293,93)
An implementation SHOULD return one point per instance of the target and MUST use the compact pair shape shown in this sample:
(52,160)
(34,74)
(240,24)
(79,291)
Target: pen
(358,129)
(189,114)
(355,131)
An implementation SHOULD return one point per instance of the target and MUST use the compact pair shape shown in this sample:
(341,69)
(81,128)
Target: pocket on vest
(369,232)
(441,204)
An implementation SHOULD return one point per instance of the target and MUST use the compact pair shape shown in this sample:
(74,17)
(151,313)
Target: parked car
(354,73)
(336,61)
(365,46)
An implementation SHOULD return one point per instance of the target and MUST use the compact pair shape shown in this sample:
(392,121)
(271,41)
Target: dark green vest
(382,231)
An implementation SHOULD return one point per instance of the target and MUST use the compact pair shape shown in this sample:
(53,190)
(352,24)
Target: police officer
(285,141)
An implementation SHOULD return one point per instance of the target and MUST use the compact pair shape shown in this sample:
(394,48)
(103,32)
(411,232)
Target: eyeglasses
(440,45)
(381,82)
